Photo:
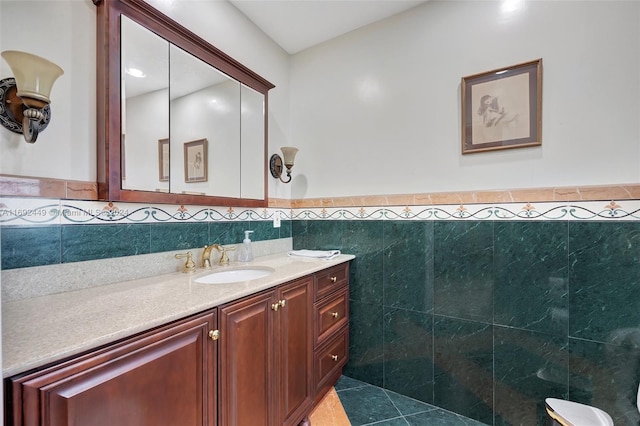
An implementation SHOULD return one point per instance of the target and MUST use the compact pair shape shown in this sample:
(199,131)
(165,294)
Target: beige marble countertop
(45,329)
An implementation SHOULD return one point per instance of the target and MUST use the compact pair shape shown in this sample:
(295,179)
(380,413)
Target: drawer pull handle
(334,314)
(334,279)
(275,306)
(282,303)
(214,334)
(334,357)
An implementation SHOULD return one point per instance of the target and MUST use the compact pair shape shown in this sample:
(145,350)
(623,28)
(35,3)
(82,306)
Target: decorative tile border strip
(39,211)
(29,211)
(594,210)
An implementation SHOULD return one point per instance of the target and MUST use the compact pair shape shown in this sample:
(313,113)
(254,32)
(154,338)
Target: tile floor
(370,405)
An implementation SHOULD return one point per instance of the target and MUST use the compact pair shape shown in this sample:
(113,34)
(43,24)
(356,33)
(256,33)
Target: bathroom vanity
(169,351)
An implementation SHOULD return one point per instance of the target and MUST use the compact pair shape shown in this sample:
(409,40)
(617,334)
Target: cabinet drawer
(331,358)
(332,279)
(330,315)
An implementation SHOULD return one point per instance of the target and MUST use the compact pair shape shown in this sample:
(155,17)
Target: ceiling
(296,25)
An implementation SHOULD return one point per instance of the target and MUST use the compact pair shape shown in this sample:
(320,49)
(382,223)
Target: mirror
(145,107)
(183,122)
(252,109)
(204,106)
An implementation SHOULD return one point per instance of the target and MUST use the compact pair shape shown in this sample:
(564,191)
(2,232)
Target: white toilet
(568,413)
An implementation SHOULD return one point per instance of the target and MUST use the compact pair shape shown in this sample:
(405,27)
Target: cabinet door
(294,321)
(165,377)
(246,362)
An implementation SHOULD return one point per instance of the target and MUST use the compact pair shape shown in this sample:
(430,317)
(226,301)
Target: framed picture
(502,108)
(163,160)
(195,161)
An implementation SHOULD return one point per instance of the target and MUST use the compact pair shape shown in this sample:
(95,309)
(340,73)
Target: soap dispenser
(246,252)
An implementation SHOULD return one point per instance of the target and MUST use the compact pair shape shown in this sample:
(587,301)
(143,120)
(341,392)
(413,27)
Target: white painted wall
(143,130)
(220,125)
(378,110)
(65,33)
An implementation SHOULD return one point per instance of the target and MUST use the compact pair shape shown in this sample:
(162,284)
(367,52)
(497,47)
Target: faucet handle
(224,258)
(189,265)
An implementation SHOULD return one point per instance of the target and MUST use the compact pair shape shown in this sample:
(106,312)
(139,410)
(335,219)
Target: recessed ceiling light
(135,72)
(509,6)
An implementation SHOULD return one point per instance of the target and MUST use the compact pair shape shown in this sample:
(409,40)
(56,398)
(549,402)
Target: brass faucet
(206,256)
(224,258)
(189,265)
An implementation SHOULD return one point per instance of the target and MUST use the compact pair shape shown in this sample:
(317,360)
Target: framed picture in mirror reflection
(195,161)
(502,108)
(163,160)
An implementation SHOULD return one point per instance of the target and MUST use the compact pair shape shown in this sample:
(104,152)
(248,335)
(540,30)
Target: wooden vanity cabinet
(246,356)
(331,327)
(265,358)
(281,350)
(276,353)
(295,351)
(162,377)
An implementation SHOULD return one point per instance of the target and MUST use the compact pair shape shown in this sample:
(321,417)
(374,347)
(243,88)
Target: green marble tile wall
(485,318)
(488,318)
(25,246)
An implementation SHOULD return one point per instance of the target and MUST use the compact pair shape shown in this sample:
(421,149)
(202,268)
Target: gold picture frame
(502,108)
(195,161)
(163,160)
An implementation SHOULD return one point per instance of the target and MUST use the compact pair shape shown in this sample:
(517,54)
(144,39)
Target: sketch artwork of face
(490,110)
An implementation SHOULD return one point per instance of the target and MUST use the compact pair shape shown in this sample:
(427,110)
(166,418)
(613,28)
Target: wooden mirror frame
(109,107)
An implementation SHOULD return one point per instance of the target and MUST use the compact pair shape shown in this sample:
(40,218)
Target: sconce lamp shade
(24,99)
(289,154)
(34,76)
(276,162)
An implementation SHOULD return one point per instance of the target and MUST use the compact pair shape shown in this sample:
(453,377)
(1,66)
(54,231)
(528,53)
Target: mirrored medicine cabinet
(179,121)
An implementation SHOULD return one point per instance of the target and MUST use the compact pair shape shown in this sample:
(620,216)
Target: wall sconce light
(24,100)
(275,164)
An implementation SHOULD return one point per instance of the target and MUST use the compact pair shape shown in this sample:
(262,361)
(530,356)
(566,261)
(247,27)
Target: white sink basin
(235,275)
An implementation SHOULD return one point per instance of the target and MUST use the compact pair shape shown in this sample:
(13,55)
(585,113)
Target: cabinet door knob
(335,314)
(334,357)
(279,304)
(214,334)
(334,279)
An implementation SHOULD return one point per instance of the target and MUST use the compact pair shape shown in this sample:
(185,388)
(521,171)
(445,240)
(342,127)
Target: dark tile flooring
(370,405)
